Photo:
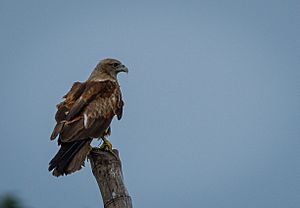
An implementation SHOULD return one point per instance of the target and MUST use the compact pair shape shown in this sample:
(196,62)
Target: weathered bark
(107,170)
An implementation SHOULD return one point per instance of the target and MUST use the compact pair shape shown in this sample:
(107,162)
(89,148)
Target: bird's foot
(107,146)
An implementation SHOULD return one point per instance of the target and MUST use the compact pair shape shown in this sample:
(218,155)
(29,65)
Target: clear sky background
(212,99)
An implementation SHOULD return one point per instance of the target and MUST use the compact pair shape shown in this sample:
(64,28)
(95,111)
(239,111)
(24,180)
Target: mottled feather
(85,113)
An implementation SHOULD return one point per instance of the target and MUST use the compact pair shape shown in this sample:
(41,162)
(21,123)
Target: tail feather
(68,151)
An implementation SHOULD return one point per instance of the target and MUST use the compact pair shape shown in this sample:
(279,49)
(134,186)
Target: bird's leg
(107,146)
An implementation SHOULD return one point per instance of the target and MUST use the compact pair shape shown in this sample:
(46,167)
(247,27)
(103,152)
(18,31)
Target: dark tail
(70,157)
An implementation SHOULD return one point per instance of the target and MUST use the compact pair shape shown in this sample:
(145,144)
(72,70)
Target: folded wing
(87,110)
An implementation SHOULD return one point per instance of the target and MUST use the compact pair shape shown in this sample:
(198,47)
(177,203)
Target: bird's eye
(115,64)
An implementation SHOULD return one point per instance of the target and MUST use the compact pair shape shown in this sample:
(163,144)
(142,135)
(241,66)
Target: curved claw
(107,146)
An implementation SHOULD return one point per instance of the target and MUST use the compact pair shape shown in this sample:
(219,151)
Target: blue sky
(212,99)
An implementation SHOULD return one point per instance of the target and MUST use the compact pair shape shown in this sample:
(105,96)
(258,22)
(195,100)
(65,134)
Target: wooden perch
(107,170)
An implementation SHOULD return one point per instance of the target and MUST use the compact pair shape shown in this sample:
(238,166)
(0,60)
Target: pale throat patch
(104,79)
(101,77)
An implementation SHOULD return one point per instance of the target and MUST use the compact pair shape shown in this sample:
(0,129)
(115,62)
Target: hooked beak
(122,68)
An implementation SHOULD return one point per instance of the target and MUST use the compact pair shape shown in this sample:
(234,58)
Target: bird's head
(108,68)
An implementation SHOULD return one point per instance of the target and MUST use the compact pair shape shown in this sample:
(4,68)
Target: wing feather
(91,91)
(88,111)
(64,107)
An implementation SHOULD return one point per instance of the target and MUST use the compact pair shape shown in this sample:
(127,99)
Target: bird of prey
(86,113)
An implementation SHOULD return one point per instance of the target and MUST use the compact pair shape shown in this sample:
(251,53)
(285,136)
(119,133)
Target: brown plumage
(86,113)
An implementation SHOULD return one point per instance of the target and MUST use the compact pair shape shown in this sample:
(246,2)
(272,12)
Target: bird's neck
(97,77)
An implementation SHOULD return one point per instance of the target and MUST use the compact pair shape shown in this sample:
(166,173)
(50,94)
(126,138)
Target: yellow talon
(107,146)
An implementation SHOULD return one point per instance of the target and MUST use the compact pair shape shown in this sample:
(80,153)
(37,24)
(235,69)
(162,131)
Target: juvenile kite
(86,113)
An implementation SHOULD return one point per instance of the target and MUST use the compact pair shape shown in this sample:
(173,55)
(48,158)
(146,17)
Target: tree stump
(107,170)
